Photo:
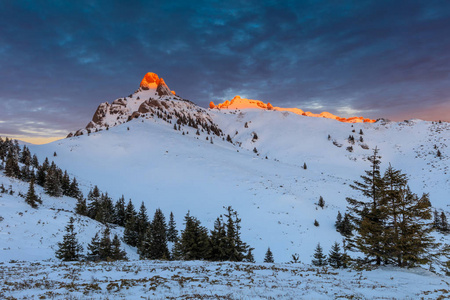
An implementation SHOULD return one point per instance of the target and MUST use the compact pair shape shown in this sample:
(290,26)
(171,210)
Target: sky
(378,59)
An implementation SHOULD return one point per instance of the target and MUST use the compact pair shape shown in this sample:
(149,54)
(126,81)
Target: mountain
(155,147)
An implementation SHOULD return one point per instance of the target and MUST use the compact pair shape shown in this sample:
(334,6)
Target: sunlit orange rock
(150,81)
(241,103)
(173,92)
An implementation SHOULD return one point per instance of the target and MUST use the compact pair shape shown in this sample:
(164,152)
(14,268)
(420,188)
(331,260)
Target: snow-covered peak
(241,103)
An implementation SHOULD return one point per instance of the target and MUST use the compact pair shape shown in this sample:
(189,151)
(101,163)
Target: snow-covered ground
(147,160)
(208,280)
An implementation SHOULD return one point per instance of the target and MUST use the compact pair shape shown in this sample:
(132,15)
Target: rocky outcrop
(100,113)
(163,89)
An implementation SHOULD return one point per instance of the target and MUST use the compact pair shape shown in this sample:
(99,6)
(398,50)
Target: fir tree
(194,241)
(316,223)
(172,232)
(65,184)
(74,190)
(31,198)
(94,203)
(52,184)
(268,258)
(338,223)
(305,166)
(69,249)
(321,202)
(116,252)
(107,209)
(158,238)
(219,241)
(105,246)
(81,207)
(142,223)
(130,236)
(40,176)
(12,166)
(235,247)
(249,257)
(319,258)
(119,212)
(94,248)
(443,223)
(335,256)
(366,215)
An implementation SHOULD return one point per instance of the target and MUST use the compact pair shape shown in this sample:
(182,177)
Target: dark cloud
(60,59)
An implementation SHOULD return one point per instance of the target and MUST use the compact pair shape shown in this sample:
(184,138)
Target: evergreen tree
(316,223)
(130,212)
(107,209)
(338,223)
(194,241)
(305,166)
(94,248)
(105,246)
(268,258)
(69,249)
(12,165)
(94,203)
(436,220)
(219,241)
(74,190)
(130,236)
(158,237)
(40,176)
(235,247)
(142,223)
(65,183)
(335,256)
(32,199)
(172,232)
(321,202)
(346,226)
(319,258)
(81,207)
(119,212)
(249,257)
(35,161)
(52,184)
(367,215)
(116,252)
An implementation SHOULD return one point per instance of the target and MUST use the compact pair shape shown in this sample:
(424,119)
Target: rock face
(150,81)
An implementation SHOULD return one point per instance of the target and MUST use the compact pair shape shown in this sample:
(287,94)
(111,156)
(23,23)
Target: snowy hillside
(32,234)
(147,160)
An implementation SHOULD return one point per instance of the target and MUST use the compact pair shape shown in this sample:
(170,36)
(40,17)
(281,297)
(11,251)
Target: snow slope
(147,160)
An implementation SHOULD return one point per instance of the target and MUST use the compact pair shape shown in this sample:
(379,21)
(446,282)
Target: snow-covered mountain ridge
(179,157)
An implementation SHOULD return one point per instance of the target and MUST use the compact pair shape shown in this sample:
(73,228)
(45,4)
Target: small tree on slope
(319,258)
(31,198)
(268,258)
(69,249)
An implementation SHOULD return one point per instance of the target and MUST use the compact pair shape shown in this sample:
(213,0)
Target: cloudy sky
(60,59)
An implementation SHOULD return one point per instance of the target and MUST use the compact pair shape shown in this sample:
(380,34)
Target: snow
(148,161)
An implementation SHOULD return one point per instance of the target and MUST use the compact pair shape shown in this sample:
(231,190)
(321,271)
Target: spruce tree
(12,166)
(52,184)
(194,241)
(74,190)
(443,223)
(142,223)
(105,246)
(130,236)
(119,212)
(321,202)
(81,207)
(249,257)
(116,251)
(319,258)
(31,198)
(107,209)
(335,256)
(172,232)
(69,249)
(268,257)
(94,248)
(40,176)
(366,214)
(158,237)
(94,203)
(65,184)
(338,223)
(219,241)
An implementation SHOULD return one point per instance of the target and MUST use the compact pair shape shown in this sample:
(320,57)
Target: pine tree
(172,232)
(321,202)
(142,223)
(268,258)
(12,166)
(65,184)
(119,212)
(116,252)
(31,198)
(105,246)
(338,223)
(249,257)
(94,248)
(52,184)
(194,241)
(219,241)
(69,249)
(235,247)
(319,258)
(74,190)
(107,209)
(130,236)
(158,238)
(366,215)
(305,166)
(94,203)
(335,256)
(316,223)
(81,207)
(40,176)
